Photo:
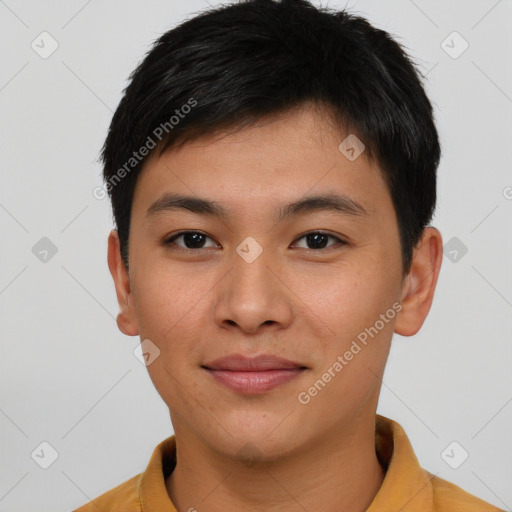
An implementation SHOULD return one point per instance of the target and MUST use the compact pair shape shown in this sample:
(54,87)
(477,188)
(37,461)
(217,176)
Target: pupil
(313,240)
(194,239)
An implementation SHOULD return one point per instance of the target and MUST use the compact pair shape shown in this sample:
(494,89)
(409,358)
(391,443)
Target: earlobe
(126,318)
(420,283)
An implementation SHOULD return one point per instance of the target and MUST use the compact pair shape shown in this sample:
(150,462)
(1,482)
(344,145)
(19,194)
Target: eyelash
(170,241)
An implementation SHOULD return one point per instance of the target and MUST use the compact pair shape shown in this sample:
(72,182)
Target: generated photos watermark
(138,156)
(304,397)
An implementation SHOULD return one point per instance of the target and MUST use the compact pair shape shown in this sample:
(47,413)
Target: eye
(191,239)
(318,240)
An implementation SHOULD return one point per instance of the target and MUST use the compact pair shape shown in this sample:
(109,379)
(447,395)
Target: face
(249,278)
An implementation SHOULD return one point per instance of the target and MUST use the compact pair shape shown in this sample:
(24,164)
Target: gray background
(69,377)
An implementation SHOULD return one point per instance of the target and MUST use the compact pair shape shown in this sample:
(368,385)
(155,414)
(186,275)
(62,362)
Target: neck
(339,472)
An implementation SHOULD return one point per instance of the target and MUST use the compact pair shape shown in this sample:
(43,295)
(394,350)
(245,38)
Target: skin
(295,301)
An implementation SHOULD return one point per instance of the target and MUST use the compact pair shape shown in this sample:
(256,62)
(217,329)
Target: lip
(253,375)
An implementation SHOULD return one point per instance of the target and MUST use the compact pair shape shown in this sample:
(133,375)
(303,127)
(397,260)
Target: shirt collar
(406,486)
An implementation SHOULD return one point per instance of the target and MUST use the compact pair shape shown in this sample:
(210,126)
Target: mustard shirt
(406,487)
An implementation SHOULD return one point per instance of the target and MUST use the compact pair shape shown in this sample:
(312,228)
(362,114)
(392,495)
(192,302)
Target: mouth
(253,375)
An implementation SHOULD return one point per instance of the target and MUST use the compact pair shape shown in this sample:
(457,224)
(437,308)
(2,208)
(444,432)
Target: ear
(126,318)
(420,283)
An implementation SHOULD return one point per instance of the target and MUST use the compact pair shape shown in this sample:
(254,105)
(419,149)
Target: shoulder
(123,498)
(145,487)
(448,497)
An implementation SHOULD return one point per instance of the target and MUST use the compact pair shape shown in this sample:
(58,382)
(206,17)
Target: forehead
(275,161)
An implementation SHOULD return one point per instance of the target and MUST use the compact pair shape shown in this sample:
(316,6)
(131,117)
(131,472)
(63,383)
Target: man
(272,171)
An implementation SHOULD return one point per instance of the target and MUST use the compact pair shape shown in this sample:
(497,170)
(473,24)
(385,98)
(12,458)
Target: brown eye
(319,240)
(191,240)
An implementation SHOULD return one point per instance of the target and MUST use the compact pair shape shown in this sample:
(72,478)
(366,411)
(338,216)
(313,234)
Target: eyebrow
(333,202)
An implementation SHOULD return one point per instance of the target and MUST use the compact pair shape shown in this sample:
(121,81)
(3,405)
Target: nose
(253,296)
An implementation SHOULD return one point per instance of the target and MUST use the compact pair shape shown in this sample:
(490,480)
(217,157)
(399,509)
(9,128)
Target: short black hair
(232,65)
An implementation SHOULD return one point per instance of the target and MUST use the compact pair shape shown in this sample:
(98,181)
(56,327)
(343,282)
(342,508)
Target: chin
(258,442)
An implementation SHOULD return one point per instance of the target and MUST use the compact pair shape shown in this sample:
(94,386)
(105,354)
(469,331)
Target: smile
(253,375)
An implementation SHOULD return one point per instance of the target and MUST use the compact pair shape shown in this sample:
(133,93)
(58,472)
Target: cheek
(169,305)
(346,304)
(348,294)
